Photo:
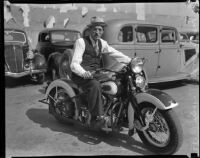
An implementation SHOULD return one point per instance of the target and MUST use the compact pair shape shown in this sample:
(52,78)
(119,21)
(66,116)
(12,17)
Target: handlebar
(97,71)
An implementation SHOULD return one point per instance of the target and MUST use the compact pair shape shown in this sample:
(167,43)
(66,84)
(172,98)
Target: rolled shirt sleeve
(79,49)
(119,56)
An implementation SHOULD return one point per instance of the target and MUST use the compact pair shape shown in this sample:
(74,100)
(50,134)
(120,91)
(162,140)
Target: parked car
(56,45)
(19,59)
(167,58)
(193,36)
(184,37)
(185,42)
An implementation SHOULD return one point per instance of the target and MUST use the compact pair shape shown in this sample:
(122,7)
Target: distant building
(179,15)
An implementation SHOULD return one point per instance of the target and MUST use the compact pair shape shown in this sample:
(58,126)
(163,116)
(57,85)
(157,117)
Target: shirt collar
(93,42)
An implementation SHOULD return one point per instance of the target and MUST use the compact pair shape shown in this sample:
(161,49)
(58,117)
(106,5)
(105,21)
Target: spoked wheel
(164,135)
(38,78)
(61,105)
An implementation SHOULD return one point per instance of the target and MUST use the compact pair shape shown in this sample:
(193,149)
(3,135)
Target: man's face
(96,32)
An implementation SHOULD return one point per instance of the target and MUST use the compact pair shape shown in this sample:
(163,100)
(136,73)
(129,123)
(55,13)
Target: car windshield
(14,36)
(68,36)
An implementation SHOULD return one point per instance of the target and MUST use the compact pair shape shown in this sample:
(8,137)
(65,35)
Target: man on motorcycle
(86,59)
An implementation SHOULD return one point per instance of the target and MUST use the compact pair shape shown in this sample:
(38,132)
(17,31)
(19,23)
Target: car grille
(14,58)
(189,53)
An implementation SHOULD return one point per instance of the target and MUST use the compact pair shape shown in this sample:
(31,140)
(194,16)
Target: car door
(44,45)
(169,54)
(122,41)
(147,46)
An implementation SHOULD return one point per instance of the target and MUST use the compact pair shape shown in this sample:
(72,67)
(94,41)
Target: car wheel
(40,78)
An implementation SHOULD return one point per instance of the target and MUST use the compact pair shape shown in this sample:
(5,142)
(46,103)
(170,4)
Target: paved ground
(31,131)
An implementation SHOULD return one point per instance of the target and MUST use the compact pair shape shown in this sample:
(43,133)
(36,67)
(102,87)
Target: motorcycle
(154,119)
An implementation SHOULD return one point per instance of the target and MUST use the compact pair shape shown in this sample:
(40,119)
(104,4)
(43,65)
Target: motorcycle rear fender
(158,98)
(68,85)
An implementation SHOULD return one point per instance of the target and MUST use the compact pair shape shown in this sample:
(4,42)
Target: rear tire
(67,104)
(175,133)
(40,78)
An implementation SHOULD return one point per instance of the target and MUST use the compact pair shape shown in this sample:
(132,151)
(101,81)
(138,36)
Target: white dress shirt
(79,49)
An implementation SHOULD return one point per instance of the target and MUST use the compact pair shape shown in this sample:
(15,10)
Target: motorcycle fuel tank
(109,87)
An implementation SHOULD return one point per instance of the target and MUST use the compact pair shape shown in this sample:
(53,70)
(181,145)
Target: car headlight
(140,81)
(29,66)
(137,65)
(30,55)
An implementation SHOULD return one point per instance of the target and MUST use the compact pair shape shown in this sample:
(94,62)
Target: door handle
(158,51)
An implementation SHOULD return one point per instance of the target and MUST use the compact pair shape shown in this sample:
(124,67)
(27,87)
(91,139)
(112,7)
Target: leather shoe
(100,122)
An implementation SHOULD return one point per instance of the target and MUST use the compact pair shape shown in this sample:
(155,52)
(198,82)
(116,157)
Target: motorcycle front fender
(158,98)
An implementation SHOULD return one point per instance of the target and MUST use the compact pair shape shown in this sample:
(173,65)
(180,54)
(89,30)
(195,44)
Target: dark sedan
(56,45)
(19,59)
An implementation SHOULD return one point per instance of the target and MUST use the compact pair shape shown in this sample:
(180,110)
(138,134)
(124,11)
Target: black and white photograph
(90,79)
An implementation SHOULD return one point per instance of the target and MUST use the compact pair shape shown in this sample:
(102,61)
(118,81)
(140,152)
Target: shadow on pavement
(42,117)
(42,90)
(172,84)
(18,82)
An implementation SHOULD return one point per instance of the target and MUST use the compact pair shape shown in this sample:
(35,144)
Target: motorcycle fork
(114,124)
(136,108)
(112,104)
(148,118)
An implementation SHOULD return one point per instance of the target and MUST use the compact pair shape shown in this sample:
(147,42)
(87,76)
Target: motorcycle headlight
(137,65)
(140,81)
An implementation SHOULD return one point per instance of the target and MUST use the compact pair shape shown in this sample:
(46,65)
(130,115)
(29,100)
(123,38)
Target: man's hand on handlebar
(87,75)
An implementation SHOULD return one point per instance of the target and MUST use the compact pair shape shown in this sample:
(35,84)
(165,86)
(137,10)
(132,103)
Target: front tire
(172,128)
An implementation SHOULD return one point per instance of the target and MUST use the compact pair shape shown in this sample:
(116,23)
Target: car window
(146,34)
(197,37)
(13,36)
(86,32)
(168,35)
(45,37)
(125,34)
(60,36)
(183,37)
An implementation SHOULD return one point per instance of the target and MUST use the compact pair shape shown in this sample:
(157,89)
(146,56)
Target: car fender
(158,98)
(39,61)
